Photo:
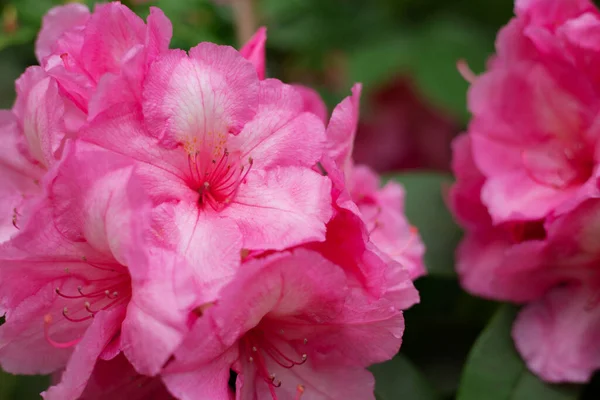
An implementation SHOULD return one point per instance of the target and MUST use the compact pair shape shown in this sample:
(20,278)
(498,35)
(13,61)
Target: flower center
(258,349)
(110,287)
(217,181)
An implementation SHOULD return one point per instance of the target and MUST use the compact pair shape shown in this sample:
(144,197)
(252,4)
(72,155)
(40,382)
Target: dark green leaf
(494,370)
(428,53)
(20,387)
(425,208)
(400,379)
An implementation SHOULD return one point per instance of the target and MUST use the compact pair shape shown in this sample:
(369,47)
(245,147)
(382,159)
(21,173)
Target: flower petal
(282,207)
(198,100)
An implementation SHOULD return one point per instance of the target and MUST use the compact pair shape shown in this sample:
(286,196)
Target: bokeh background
(414,102)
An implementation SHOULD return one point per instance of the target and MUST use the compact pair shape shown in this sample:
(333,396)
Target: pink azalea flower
(226,158)
(535,130)
(80,293)
(550,265)
(303,333)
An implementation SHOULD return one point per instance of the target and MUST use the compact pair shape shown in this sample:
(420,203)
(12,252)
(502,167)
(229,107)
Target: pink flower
(535,130)
(227,159)
(381,209)
(550,265)
(80,293)
(81,60)
(303,333)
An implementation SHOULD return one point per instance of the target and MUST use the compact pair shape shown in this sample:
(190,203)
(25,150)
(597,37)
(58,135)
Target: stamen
(58,345)
(299,391)
(65,314)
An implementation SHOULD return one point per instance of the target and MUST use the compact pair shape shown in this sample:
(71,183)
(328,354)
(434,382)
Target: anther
(251,359)
(254,349)
(305,340)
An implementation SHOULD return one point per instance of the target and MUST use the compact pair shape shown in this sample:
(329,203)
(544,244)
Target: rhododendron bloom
(227,159)
(302,333)
(534,130)
(527,185)
(68,281)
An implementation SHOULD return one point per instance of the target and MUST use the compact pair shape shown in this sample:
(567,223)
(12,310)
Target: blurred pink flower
(400,130)
(303,333)
(527,188)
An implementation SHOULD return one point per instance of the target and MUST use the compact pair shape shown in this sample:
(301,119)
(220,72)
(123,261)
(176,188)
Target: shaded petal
(164,293)
(105,326)
(40,110)
(116,379)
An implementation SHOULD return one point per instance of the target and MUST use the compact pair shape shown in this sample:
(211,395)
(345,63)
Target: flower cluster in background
(177,220)
(527,185)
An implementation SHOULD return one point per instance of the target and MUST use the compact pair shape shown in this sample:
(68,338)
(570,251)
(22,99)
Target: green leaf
(428,53)
(17,387)
(400,379)
(494,370)
(425,209)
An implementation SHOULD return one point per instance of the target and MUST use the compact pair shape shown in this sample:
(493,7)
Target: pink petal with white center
(313,103)
(254,51)
(57,21)
(281,208)
(197,101)
(280,134)
(113,29)
(342,128)
(40,110)
(558,335)
(81,364)
(164,293)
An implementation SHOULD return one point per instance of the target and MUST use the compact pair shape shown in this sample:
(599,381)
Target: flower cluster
(527,184)
(174,225)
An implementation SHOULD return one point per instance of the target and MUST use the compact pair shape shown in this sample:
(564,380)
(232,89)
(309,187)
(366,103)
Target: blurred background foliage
(405,54)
